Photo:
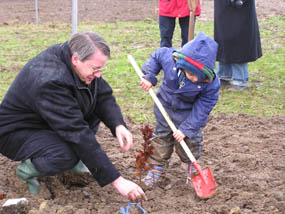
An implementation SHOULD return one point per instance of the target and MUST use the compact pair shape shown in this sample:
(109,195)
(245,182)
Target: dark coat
(47,94)
(237,32)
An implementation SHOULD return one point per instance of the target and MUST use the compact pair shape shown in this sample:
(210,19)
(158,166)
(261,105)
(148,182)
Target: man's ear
(75,60)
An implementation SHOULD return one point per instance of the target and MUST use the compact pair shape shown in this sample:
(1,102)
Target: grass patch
(267,75)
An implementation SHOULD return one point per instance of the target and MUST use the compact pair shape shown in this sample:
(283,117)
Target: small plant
(141,162)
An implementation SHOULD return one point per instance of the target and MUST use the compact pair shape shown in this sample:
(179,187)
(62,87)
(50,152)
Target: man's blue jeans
(236,72)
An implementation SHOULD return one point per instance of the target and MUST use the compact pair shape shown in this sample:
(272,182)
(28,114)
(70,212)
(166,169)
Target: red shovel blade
(204,183)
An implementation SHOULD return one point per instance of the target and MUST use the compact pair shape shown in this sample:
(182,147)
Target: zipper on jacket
(91,95)
(89,92)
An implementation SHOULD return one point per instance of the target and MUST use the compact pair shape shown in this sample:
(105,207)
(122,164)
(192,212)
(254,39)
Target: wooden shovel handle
(161,108)
(192,7)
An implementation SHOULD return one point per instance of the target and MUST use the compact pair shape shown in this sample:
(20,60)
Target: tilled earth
(245,153)
(23,11)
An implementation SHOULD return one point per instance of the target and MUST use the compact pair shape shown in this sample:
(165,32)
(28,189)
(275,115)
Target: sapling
(142,163)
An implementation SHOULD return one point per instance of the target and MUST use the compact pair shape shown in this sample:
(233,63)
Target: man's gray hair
(85,44)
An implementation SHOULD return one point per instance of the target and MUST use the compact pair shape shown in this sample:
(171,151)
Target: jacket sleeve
(107,108)
(200,111)
(153,65)
(58,107)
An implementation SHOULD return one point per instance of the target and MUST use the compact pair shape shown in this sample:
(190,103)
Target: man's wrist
(117,181)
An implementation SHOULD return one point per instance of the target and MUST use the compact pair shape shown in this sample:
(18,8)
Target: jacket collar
(66,58)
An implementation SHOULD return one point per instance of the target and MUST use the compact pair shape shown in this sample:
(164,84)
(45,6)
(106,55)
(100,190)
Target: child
(188,92)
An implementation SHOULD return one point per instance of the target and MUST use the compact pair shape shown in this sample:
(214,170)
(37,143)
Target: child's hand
(179,136)
(145,84)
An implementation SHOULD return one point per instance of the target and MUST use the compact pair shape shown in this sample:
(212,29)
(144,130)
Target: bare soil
(245,153)
(23,11)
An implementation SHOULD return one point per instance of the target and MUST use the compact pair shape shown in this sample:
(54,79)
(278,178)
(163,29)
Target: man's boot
(28,173)
(80,168)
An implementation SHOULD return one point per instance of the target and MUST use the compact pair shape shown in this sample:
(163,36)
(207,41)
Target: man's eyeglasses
(95,70)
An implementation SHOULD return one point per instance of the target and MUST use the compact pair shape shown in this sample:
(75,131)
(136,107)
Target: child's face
(192,77)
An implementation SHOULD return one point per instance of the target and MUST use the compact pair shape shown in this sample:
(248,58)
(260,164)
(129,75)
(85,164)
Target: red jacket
(176,8)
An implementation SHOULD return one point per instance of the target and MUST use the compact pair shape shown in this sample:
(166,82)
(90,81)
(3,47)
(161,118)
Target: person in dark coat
(237,33)
(50,114)
(189,91)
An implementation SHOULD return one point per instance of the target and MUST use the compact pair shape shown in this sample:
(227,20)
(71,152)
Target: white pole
(74,16)
(37,11)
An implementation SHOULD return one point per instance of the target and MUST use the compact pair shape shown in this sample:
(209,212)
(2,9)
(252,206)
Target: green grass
(266,96)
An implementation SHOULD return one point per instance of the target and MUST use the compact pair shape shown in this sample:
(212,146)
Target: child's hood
(202,49)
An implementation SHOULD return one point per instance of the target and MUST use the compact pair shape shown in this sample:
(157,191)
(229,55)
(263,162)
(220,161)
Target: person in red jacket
(169,10)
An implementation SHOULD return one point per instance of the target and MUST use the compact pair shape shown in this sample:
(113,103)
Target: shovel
(204,182)
(192,7)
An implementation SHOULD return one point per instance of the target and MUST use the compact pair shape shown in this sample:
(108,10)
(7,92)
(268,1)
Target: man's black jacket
(47,94)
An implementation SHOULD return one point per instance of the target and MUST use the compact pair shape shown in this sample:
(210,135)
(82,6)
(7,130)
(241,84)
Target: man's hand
(125,138)
(145,84)
(179,136)
(129,190)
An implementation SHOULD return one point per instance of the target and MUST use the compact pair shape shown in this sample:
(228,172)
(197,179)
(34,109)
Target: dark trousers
(49,153)
(167,26)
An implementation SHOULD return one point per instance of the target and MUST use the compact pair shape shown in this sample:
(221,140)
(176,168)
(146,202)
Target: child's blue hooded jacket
(190,105)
